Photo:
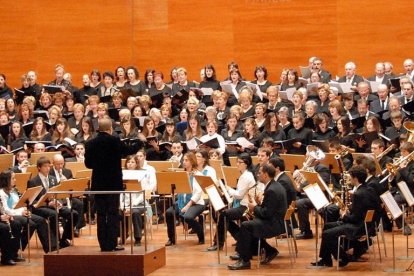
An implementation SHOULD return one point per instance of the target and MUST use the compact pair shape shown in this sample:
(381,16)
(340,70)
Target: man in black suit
(364,92)
(380,104)
(352,222)
(61,173)
(407,92)
(317,67)
(267,222)
(103,155)
(49,211)
(380,75)
(350,76)
(22,162)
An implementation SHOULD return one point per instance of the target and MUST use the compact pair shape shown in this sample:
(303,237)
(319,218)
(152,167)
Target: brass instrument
(392,168)
(344,151)
(346,184)
(313,153)
(409,126)
(341,203)
(385,152)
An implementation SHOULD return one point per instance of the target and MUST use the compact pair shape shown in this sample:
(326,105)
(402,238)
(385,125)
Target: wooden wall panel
(278,33)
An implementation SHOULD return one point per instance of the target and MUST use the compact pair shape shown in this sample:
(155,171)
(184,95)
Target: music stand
(42,201)
(217,165)
(163,166)
(172,183)
(79,184)
(26,200)
(83,174)
(293,161)
(319,201)
(405,191)
(396,212)
(21,181)
(217,204)
(134,185)
(231,176)
(331,162)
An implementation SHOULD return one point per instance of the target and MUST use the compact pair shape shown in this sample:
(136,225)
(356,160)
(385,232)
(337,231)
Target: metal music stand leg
(316,243)
(130,222)
(404,223)
(57,226)
(393,269)
(28,232)
(145,224)
(217,241)
(71,220)
(174,210)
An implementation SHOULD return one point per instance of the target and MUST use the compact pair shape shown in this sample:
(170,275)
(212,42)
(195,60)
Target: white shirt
(57,175)
(197,191)
(245,182)
(45,181)
(11,212)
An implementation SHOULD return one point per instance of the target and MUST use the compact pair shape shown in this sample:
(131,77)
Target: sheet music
(346,87)
(312,87)
(192,144)
(316,196)
(225,192)
(133,175)
(244,142)
(406,193)
(330,194)
(256,89)
(215,198)
(374,85)
(391,205)
(207,91)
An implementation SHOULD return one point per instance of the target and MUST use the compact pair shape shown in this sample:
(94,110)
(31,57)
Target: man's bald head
(105,125)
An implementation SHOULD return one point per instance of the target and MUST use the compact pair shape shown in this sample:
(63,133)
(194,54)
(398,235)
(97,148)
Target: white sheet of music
(133,175)
(244,142)
(391,205)
(374,86)
(406,193)
(312,87)
(207,91)
(316,196)
(336,84)
(256,89)
(330,194)
(346,87)
(215,198)
(225,192)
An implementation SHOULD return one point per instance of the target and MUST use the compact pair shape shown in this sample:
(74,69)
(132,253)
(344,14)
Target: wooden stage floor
(191,259)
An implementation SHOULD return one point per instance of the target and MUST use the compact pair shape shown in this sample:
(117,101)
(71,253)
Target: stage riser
(69,262)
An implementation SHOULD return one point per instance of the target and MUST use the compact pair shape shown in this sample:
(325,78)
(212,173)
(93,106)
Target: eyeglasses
(240,162)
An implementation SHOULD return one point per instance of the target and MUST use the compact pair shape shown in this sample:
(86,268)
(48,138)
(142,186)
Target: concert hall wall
(84,35)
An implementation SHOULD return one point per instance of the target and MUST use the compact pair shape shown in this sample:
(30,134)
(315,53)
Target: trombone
(409,126)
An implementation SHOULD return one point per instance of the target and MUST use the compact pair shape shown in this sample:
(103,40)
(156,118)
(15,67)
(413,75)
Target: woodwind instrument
(248,215)
(3,212)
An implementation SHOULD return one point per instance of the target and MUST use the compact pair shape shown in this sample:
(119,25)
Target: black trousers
(189,217)
(329,214)
(9,242)
(247,242)
(137,223)
(230,215)
(36,223)
(77,205)
(48,214)
(107,207)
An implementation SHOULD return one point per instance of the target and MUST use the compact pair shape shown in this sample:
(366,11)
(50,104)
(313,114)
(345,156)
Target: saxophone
(249,215)
(8,218)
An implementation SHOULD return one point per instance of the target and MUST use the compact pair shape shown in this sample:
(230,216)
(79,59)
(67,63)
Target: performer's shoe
(19,259)
(235,257)
(269,257)
(343,261)
(64,243)
(169,243)
(201,242)
(137,243)
(407,230)
(322,262)
(76,233)
(118,248)
(9,262)
(239,265)
(304,236)
(214,248)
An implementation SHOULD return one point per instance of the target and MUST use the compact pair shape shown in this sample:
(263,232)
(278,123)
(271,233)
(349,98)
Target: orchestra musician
(352,221)
(245,183)
(47,181)
(188,206)
(269,212)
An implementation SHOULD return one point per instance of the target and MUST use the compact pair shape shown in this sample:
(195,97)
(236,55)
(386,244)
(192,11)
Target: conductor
(103,155)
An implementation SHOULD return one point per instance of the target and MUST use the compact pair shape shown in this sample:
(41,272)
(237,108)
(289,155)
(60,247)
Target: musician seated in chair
(268,221)
(303,205)
(49,211)
(351,223)
(61,173)
(22,162)
(240,195)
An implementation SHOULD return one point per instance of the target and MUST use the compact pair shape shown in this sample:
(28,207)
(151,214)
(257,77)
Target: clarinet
(3,212)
